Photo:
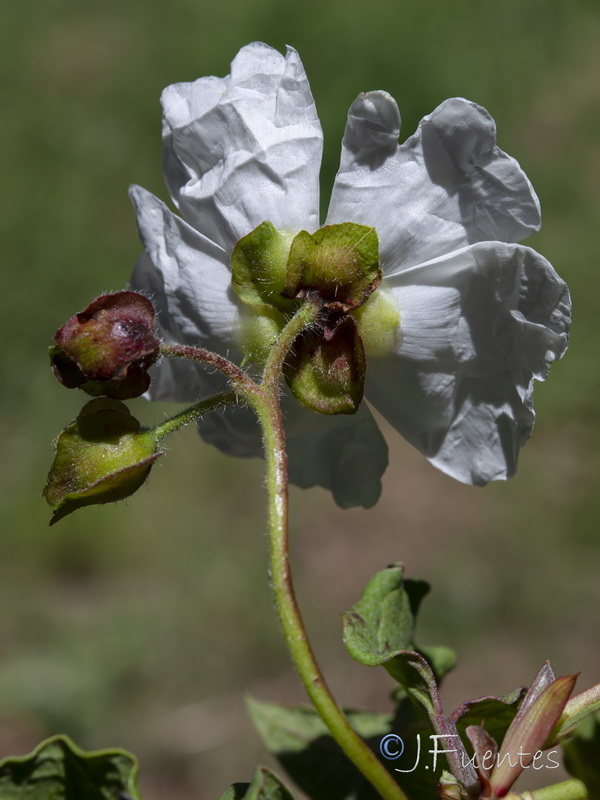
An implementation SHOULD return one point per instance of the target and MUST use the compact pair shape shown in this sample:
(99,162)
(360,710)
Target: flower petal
(194,274)
(173,380)
(447,186)
(346,454)
(246,148)
(477,327)
(187,277)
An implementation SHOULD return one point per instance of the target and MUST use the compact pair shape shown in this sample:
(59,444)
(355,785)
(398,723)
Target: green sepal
(326,368)
(59,770)
(581,755)
(265,785)
(258,267)
(341,262)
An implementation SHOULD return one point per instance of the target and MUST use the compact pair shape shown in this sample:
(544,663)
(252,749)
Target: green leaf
(442,659)
(58,770)
(382,623)
(265,785)
(494,713)
(581,755)
(379,631)
(304,747)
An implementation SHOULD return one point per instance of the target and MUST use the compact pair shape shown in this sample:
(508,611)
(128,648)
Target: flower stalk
(199,354)
(192,413)
(266,404)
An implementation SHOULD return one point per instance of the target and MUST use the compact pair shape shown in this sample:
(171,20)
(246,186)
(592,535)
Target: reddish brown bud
(107,348)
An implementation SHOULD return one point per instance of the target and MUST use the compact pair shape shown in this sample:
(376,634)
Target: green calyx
(337,263)
(336,268)
(101,457)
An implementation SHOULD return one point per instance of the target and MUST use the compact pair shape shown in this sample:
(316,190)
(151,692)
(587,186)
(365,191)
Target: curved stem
(266,404)
(236,375)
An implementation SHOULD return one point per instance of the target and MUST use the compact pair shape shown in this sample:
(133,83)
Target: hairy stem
(236,375)
(572,789)
(193,412)
(266,404)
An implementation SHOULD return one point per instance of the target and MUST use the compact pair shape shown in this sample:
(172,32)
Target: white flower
(481,317)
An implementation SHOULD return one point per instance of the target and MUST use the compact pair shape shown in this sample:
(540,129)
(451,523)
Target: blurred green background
(142,625)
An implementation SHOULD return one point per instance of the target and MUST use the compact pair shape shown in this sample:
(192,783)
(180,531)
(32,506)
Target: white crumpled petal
(189,281)
(345,454)
(246,148)
(477,327)
(447,186)
(480,317)
(194,272)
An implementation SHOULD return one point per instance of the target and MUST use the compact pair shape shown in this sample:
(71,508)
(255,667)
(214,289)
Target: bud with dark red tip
(101,457)
(107,348)
(326,367)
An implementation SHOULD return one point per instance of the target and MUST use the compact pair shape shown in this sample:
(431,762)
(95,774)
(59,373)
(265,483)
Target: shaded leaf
(59,770)
(300,741)
(304,747)
(494,713)
(265,785)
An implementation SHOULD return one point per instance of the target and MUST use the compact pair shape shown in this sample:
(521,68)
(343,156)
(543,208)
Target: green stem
(236,375)
(193,412)
(266,404)
(572,789)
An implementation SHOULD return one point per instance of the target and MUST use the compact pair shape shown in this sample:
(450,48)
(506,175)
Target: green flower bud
(326,368)
(101,457)
(107,348)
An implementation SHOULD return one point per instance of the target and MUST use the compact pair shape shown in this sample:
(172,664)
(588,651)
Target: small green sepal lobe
(101,457)
(258,267)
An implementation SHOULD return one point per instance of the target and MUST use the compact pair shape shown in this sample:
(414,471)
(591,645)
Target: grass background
(142,625)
